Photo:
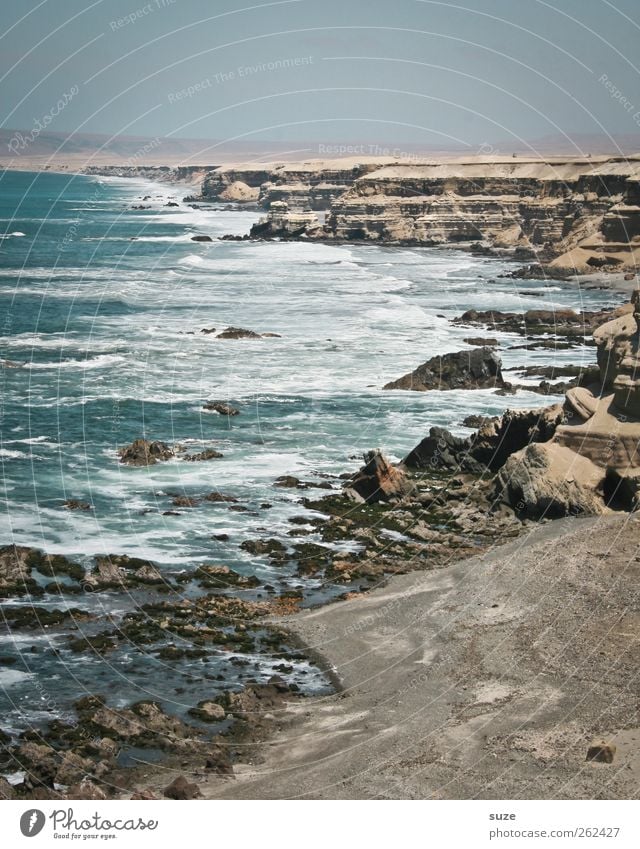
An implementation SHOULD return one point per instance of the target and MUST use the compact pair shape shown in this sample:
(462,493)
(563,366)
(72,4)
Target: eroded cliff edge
(576,215)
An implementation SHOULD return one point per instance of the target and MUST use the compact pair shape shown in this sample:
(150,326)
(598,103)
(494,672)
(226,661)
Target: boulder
(207,454)
(201,239)
(378,480)
(479,368)
(549,481)
(143,452)
(180,788)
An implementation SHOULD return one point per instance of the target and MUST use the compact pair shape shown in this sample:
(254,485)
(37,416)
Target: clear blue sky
(480,72)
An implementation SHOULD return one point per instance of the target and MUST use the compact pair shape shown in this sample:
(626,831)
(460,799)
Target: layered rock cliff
(585,214)
(576,214)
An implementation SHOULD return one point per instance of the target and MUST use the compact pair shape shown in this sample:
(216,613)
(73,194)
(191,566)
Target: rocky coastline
(448,502)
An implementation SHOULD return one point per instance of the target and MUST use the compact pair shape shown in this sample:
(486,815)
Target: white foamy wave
(101,361)
(10,677)
(8,454)
(192,259)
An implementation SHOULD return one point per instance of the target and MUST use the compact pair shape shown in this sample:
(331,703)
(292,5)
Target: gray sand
(485,679)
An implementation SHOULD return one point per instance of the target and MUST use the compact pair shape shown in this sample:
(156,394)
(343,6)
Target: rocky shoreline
(450,501)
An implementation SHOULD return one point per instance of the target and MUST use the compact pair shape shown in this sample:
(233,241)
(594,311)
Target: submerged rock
(479,368)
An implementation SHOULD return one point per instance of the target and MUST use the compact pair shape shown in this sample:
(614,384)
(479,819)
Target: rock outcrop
(379,480)
(143,452)
(477,368)
(490,447)
(549,481)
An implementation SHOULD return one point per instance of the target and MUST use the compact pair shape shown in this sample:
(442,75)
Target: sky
(481,74)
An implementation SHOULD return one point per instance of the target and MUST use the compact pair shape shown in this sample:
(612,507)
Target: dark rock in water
(143,452)
(201,239)
(476,369)
(273,548)
(218,497)
(15,571)
(74,504)
(222,408)
(172,203)
(481,341)
(207,454)
(489,448)
(378,480)
(118,570)
(208,330)
(185,501)
(237,333)
(180,788)
(289,482)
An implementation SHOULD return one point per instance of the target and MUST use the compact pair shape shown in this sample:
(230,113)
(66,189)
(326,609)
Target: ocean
(102,309)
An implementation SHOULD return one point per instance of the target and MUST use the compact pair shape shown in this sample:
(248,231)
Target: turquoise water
(101,312)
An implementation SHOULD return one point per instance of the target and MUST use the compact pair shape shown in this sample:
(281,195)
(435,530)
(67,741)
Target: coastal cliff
(577,215)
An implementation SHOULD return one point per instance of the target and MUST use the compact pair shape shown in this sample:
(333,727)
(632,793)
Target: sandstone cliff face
(313,184)
(593,459)
(588,206)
